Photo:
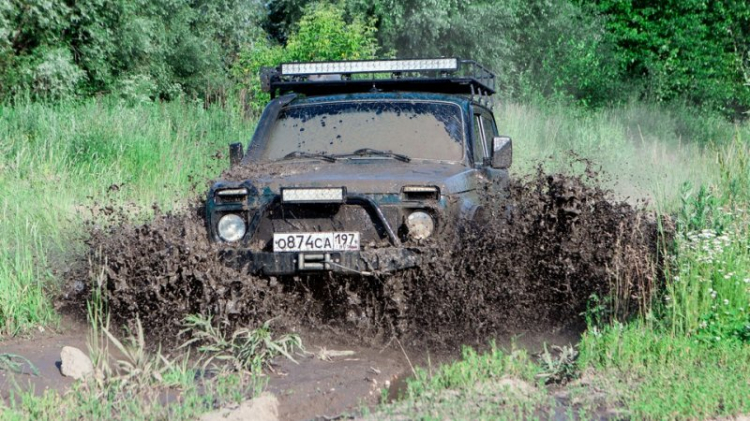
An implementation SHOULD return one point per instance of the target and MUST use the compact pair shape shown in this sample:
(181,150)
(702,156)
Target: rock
(263,408)
(74,363)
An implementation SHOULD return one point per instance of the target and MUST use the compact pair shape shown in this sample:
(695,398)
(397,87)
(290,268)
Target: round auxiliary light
(420,225)
(231,227)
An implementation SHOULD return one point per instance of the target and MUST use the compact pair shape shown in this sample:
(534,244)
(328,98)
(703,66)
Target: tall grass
(688,357)
(62,163)
(645,151)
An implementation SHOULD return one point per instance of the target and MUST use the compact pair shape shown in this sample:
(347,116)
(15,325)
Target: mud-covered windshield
(421,130)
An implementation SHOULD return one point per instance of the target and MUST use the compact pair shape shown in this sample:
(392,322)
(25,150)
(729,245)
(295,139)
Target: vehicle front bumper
(366,262)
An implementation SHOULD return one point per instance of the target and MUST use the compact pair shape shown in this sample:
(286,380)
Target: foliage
(592,53)
(323,34)
(244,349)
(64,158)
(542,47)
(684,48)
(559,367)
(54,49)
(16,363)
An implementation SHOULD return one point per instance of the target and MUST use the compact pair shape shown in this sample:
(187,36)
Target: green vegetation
(593,53)
(686,358)
(491,385)
(688,48)
(125,104)
(243,349)
(138,382)
(61,164)
(323,34)
(140,49)
(143,385)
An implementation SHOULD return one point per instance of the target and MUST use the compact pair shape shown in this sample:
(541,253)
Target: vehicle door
(485,129)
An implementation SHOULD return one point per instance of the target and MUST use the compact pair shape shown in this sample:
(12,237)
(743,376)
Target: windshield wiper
(375,152)
(300,154)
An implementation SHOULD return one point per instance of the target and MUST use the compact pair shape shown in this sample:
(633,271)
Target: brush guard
(366,263)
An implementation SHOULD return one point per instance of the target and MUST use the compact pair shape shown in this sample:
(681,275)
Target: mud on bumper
(366,262)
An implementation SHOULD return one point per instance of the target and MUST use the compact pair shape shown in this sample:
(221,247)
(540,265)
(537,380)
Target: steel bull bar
(365,262)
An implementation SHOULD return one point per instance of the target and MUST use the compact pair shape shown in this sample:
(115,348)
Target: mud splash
(538,260)
(540,251)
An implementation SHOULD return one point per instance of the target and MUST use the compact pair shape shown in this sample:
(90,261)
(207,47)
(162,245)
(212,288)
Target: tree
(323,33)
(142,48)
(689,49)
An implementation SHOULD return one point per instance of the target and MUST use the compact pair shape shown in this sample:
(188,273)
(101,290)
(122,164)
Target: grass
(491,385)
(689,356)
(135,383)
(652,374)
(645,151)
(243,349)
(177,396)
(62,163)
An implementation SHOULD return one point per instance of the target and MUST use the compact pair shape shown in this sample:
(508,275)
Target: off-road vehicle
(357,166)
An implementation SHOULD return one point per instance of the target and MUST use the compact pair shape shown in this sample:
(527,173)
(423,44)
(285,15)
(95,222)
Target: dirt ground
(315,388)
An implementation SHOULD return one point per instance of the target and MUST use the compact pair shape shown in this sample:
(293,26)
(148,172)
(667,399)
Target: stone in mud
(263,408)
(75,364)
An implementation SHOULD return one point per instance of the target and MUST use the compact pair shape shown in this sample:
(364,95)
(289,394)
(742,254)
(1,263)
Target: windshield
(426,130)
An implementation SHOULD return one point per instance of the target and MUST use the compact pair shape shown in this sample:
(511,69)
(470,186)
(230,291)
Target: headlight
(231,227)
(420,225)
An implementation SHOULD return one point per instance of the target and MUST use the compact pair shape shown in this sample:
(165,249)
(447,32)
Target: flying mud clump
(539,251)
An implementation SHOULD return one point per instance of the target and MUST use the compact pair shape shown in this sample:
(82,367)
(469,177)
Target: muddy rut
(540,250)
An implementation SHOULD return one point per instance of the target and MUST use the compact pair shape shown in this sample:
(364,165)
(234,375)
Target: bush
(537,48)
(52,76)
(323,34)
(96,46)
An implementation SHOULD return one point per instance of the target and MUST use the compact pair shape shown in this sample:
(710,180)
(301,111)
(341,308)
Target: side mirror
(502,152)
(236,153)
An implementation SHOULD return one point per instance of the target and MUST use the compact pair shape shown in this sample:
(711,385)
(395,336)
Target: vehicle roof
(460,100)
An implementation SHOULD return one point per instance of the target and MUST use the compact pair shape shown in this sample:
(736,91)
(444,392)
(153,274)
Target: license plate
(316,241)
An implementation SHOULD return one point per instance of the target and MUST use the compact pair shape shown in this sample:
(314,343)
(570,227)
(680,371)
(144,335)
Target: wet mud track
(323,385)
(43,351)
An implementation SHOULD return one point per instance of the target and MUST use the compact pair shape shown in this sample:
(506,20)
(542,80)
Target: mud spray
(541,250)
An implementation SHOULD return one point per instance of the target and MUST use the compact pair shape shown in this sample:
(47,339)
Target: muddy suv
(358,166)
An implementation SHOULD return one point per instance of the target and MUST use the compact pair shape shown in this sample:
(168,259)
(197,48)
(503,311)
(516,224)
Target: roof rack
(438,75)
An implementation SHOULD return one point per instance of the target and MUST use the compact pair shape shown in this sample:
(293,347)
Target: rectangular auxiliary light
(420,189)
(369,66)
(312,195)
(233,192)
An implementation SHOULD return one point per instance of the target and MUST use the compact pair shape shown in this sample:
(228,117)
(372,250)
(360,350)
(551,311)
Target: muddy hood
(368,177)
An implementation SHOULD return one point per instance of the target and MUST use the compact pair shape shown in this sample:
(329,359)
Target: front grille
(291,218)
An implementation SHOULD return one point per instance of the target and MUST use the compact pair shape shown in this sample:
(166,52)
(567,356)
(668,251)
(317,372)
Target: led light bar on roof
(369,66)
